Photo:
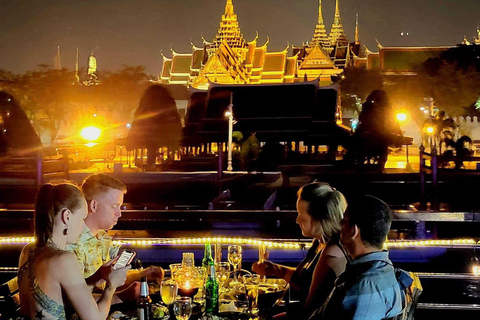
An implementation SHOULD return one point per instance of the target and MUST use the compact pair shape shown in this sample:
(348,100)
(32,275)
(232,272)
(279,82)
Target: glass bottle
(211,292)
(207,258)
(218,253)
(144,305)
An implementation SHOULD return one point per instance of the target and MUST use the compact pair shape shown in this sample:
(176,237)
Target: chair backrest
(9,299)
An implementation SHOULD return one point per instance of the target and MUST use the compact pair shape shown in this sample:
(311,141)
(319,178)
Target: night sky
(132,32)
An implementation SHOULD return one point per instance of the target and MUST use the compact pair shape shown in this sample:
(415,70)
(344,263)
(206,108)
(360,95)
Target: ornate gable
(317,59)
(222,67)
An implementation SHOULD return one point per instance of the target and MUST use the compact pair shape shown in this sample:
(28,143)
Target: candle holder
(187,292)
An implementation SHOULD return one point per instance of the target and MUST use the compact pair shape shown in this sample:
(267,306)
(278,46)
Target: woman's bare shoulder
(64,258)
(24,254)
(333,250)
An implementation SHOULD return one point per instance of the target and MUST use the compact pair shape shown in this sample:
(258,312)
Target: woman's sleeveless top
(44,302)
(302,277)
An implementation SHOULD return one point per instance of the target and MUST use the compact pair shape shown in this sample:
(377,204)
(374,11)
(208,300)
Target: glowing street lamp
(90,133)
(429,129)
(401,117)
(229,115)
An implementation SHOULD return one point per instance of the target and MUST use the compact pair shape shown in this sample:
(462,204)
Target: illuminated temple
(231,59)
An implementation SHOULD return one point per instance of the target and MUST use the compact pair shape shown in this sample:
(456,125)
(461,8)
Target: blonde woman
(51,283)
(320,210)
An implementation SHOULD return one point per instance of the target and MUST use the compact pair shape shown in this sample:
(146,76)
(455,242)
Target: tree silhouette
(16,133)
(156,123)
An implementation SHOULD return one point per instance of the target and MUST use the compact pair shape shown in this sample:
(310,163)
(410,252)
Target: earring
(65,231)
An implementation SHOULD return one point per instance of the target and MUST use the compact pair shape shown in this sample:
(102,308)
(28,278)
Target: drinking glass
(168,291)
(182,308)
(251,290)
(235,258)
(222,272)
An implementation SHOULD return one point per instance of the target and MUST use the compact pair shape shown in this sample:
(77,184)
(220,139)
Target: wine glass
(222,273)
(168,291)
(235,258)
(182,308)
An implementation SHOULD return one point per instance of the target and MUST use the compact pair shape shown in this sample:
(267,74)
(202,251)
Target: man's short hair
(372,216)
(100,183)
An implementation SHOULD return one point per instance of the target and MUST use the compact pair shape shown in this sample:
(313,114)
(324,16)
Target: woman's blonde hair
(326,206)
(51,200)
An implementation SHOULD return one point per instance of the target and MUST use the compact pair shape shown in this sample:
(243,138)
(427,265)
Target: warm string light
(255,242)
(16,240)
(192,241)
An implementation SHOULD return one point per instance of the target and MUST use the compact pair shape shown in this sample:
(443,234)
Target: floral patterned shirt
(93,251)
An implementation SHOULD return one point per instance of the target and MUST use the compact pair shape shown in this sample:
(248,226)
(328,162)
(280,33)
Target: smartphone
(125,259)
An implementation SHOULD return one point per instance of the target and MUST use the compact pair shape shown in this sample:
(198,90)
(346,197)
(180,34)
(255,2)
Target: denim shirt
(368,289)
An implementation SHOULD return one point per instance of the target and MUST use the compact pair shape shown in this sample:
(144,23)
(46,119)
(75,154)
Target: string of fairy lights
(271,244)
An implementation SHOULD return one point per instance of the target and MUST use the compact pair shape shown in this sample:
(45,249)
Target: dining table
(233,303)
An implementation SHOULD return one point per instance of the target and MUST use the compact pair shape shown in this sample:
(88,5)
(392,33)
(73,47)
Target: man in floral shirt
(104,195)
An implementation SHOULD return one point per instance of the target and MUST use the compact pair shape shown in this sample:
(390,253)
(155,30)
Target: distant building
(230,59)
(92,78)
(327,54)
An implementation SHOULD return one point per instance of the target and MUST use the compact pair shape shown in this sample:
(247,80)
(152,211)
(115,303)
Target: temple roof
(274,62)
(197,59)
(181,63)
(167,65)
(223,66)
(317,59)
(259,57)
(291,66)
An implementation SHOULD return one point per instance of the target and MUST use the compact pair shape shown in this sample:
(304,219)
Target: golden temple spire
(357,37)
(229,31)
(77,77)
(337,35)
(320,36)
(229,9)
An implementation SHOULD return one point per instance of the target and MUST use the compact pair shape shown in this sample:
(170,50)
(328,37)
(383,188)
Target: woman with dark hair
(51,284)
(320,211)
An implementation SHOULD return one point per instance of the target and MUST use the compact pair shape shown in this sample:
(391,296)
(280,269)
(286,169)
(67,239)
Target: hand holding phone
(124,260)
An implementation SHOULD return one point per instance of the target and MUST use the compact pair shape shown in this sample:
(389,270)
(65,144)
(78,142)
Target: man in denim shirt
(368,289)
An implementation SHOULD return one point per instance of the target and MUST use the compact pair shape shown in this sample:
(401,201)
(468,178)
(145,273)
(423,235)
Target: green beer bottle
(211,292)
(207,258)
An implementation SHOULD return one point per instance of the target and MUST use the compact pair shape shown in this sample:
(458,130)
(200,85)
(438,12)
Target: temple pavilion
(231,59)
